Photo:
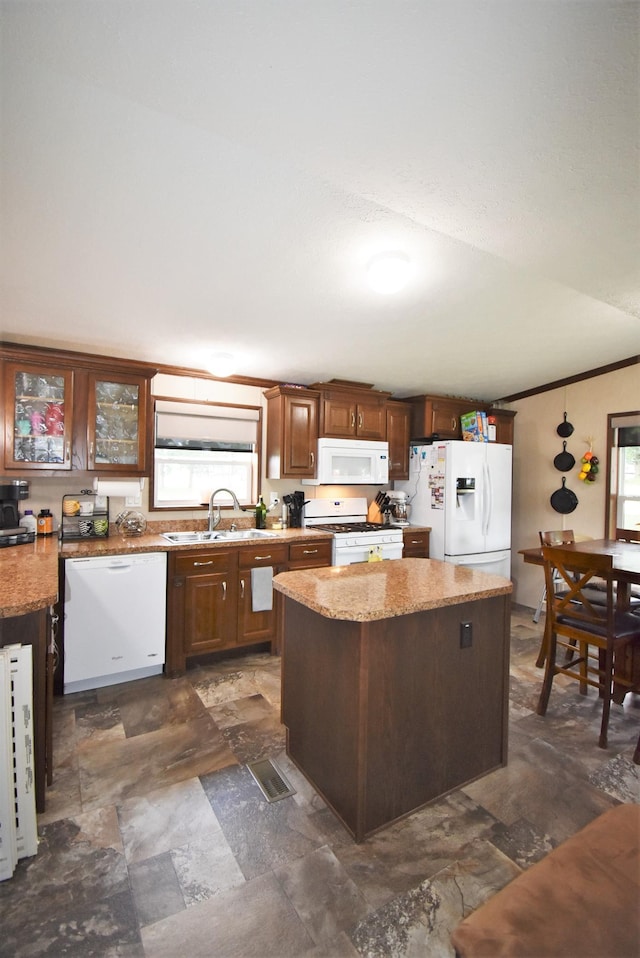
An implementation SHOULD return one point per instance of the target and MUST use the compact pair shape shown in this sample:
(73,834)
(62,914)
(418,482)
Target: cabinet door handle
(312,458)
(67,451)
(353,420)
(359,420)
(242,588)
(224,589)
(91,450)
(210,562)
(309,552)
(454,422)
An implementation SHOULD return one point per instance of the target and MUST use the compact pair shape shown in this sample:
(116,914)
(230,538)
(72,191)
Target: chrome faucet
(215,522)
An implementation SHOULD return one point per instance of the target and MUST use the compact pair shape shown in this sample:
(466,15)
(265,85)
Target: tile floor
(157,842)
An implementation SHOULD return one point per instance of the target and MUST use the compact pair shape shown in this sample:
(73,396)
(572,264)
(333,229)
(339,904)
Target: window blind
(203,425)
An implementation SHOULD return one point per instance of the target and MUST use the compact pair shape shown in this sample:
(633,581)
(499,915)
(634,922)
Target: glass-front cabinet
(59,418)
(116,423)
(39,417)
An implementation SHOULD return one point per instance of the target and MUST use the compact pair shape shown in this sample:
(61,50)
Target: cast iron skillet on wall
(564,500)
(564,461)
(565,428)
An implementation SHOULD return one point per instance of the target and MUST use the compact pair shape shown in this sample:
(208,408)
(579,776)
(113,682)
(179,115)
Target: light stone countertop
(382,590)
(29,573)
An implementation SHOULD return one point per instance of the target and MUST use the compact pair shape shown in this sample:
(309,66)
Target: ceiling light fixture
(388,272)
(222,365)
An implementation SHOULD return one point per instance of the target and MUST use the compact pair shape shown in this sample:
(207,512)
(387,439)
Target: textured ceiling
(183,177)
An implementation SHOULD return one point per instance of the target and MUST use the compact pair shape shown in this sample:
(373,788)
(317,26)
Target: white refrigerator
(463,491)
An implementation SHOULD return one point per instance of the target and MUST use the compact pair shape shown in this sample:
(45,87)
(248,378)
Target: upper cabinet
(351,411)
(75,415)
(398,428)
(117,414)
(292,432)
(38,403)
(440,416)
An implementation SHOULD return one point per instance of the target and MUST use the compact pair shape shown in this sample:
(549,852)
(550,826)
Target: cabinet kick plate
(270,780)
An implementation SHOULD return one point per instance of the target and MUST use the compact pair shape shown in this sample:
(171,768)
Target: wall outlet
(274,499)
(132,501)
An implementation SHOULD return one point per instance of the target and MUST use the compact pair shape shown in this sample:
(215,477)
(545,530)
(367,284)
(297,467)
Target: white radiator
(18,824)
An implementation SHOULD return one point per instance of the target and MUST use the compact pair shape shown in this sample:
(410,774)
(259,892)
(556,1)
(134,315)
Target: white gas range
(354,539)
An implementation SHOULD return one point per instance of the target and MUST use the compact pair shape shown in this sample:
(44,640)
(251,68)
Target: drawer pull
(210,562)
(259,558)
(309,552)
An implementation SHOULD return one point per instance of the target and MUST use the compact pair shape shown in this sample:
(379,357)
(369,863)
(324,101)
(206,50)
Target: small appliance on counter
(85,515)
(12,533)
(398,514)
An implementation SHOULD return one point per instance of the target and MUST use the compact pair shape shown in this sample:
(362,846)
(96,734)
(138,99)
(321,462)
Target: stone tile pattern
(157,842)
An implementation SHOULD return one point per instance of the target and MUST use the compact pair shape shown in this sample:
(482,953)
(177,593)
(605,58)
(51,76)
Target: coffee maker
(11,492)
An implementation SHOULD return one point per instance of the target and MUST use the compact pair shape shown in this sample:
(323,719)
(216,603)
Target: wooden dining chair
(554,537)
(593,636)
(628,535)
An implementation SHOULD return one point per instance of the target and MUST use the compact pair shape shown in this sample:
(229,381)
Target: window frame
(614,422)
(214,405)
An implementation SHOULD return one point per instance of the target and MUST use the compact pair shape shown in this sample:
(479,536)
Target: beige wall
(535,478)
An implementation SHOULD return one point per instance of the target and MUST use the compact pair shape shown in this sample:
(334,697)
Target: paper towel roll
(118,487)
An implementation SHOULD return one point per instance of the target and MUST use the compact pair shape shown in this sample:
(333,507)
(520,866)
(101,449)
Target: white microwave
(349,462)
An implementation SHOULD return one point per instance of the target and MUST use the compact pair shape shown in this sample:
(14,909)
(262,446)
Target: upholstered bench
(583,899)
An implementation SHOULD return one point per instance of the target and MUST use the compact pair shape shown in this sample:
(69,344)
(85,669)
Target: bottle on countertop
(29,521)
(261,514)
(45,523)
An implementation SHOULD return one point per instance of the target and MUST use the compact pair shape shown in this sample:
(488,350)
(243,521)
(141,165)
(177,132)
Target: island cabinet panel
(385,716)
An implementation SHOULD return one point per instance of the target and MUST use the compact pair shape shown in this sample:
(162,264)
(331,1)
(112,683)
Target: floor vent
(270,779)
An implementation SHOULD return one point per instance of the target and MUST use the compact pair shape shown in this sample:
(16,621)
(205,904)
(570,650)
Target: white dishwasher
(114,619)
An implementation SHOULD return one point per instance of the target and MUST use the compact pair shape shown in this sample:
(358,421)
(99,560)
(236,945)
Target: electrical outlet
(132,501)
(274,499)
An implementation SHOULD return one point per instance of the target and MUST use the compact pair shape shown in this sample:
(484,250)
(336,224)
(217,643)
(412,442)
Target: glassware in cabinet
(117,413)
(38,401)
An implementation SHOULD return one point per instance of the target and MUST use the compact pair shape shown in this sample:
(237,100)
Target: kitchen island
(395,683)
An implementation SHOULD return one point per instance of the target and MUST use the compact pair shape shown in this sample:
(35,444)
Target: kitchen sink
(218,535)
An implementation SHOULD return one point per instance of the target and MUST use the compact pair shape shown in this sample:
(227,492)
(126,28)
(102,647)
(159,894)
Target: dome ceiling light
(222,365)
(388,272)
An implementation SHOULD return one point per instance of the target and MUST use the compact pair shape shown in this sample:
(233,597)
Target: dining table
(626,572)
(626,561)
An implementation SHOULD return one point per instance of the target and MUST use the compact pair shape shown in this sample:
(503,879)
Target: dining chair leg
(544,645)
(549,672)
(538,611)
(606,683)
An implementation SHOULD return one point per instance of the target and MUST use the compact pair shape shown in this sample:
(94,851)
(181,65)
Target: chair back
(628,535)
(557,537)
(574,606)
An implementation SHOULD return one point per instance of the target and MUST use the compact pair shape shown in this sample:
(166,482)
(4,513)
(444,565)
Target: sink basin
(218,535)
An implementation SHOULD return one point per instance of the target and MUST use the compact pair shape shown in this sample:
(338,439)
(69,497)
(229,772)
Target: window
(200,447)
(623,473)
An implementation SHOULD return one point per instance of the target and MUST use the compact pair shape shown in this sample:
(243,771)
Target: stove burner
(350,527)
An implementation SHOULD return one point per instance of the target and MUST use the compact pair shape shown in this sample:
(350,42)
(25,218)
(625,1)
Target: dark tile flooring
(157,841)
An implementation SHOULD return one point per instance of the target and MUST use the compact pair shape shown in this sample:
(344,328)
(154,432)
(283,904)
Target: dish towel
(262,589)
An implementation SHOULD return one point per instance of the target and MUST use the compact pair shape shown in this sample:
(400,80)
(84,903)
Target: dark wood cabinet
(209,598)
(398,435)
(38,420)
(504,422)
(292,432)
(201,604)
(438,416)
(260,626)
(351,411)
(309,555)
(416,543)
(65,411)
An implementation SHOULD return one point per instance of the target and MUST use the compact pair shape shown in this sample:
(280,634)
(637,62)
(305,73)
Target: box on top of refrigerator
(474,426)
